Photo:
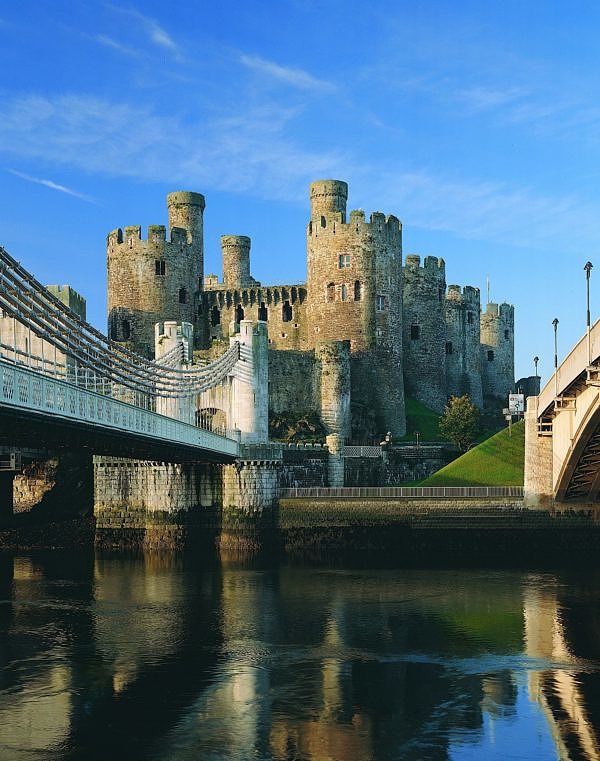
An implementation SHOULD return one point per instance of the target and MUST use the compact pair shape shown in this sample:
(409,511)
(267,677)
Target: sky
(477,124)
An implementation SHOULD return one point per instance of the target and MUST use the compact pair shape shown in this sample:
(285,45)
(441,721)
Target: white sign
(516,404)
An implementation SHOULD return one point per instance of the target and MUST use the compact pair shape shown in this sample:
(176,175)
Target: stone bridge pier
(163,504)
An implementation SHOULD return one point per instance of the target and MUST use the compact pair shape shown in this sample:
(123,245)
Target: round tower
(463,360)
(328,196)
(498,350)
(186,211)
(235,250)
(156,278)
(424,330)
(353,284)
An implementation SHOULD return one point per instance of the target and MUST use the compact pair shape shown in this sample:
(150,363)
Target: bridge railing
(23,388)
(404,492)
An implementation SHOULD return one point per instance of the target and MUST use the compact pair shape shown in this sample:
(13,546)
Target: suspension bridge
(65,385)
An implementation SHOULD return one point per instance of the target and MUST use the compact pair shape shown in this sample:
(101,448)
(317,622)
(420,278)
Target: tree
(460,421)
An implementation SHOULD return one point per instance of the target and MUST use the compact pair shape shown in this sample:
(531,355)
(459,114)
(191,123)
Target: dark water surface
(164,658)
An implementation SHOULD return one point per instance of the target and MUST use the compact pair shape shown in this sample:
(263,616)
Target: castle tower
(155,279)
(463,352)
(425,330)
(498,350)
(235,250)
(354,294)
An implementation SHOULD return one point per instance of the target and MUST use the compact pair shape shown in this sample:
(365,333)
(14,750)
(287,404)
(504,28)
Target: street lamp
(588,268)
(537,385)
(555,324)
(535,364)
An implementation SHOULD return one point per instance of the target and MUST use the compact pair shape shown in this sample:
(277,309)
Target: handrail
(403,492)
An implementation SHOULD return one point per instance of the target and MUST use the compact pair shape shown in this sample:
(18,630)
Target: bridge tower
(158,278)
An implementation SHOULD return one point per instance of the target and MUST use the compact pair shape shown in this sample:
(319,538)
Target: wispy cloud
(251,152)
(52,185)
(155,33)
(108,42)
(290,75)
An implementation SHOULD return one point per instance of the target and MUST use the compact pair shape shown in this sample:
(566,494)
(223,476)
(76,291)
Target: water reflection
(161,658)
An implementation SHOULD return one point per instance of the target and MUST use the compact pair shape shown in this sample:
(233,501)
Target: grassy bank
(498,461)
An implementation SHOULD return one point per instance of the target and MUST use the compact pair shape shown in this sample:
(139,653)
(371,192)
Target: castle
(347,345)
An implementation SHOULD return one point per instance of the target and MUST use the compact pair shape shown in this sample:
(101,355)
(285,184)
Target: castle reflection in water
(160,658)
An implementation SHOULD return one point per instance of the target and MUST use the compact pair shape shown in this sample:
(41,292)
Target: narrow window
(380,303)
(330,292)
(506,334)
(200,310)
(415,332)
(215,317)
(130,241)
(239,313)
(344,292)
(126,330)
(470,318)
(440,294)
(357,290)
(159,266)
(323,222)
(448,347)
(344,261)
(490,356)
(182,296)
(262,312)
(286,311)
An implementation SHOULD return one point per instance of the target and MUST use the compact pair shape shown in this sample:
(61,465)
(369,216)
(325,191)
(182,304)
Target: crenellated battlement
(334,223)
(467,295)
(503,311)
(131,236)
(433,267)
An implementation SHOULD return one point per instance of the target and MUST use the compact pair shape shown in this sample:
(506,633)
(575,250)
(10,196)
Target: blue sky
(478,124)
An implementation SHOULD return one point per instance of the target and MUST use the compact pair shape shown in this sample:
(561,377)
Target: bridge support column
(250,496)
(6,494)
(538,488)
(156,505)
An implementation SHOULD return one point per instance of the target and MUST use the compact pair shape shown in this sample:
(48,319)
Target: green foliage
(422,419)
(498,461)
(460,421)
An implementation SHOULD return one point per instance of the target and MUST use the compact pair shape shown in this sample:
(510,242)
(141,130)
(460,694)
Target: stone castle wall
(402,328)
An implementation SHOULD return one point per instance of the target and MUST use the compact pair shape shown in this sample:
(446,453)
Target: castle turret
(463,352)
(235,250)
(186,211)
(498,350)
(354,271)
(155,279)
(328,197)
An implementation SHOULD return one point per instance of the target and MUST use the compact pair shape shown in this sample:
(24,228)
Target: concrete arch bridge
(562,431)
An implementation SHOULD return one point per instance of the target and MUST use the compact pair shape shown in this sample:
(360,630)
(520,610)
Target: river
(165,657)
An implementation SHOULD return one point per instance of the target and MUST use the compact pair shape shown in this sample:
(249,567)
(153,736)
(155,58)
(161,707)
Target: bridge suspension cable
(29,303)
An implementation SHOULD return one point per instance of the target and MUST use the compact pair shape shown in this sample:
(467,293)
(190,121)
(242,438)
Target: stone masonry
(406,331)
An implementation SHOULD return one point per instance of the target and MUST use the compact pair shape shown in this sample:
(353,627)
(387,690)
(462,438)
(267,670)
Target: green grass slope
(498,461)
(422,419)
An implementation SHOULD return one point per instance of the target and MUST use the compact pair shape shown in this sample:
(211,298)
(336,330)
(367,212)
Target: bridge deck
(32,404)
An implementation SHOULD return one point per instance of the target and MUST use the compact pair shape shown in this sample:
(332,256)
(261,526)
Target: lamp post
(535,364)
(555,324)
(588,268)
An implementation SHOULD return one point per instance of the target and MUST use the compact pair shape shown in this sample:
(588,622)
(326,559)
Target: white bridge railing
(406,492)
(30,390)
